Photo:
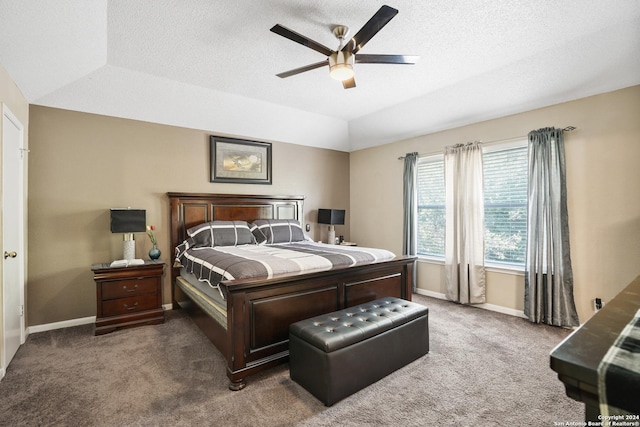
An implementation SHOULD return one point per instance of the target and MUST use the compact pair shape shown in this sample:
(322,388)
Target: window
(505,198)
(505,205)
(431,206)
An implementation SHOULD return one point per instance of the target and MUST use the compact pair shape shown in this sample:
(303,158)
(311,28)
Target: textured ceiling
(211,64)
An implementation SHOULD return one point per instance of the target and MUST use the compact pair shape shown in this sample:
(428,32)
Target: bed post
(174,218)
(409,275)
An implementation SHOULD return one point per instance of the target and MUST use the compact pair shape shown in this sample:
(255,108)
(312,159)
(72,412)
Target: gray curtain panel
(548,295)
(410,201)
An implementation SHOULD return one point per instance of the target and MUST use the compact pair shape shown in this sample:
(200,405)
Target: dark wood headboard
(190,209)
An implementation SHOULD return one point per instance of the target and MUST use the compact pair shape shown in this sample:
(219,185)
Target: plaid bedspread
(222,263)
(619,374)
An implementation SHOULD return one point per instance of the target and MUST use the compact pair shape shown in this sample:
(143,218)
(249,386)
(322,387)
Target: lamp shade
(128,220)
(331,216)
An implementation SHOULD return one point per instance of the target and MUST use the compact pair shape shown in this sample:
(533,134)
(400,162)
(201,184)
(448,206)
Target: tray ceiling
(211,64)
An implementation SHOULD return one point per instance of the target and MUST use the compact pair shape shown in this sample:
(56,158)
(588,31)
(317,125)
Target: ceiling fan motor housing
(341,65)
(341,62)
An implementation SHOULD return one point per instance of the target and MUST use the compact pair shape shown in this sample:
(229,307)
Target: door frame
(8,115)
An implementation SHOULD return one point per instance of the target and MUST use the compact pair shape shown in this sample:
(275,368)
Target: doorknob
(12,254)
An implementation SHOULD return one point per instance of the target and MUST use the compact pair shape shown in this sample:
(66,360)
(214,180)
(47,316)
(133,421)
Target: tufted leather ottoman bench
(336,354)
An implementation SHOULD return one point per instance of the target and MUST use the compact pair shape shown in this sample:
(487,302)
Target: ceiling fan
(341,61)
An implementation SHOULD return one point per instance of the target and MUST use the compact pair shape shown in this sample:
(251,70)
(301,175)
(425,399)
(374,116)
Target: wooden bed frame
(259,311)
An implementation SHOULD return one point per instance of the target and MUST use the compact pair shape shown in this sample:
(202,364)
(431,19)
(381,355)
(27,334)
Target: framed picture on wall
(240,161)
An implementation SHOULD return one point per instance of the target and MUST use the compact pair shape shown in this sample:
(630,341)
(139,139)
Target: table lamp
(128,221)
(331,217)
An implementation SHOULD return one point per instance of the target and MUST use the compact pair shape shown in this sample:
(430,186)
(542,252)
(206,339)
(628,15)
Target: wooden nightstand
(128,296)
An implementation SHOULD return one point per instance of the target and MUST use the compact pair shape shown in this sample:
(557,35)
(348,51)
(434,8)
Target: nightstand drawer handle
(135,304)
(124,287)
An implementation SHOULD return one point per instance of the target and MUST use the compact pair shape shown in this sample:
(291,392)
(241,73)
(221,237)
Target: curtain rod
(566,129)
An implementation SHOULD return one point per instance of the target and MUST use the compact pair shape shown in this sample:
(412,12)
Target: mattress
(204,295)
(212,265)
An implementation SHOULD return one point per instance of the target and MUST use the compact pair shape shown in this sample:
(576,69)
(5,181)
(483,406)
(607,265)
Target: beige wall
(603,185)
(10,96)
(81,165)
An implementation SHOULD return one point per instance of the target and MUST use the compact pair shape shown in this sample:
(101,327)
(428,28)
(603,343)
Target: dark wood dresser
(576,359)
(128,296)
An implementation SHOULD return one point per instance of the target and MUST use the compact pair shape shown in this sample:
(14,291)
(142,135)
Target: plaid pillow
(273,231)
(220,233)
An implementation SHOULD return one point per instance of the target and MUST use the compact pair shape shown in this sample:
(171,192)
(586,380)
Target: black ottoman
(336,354)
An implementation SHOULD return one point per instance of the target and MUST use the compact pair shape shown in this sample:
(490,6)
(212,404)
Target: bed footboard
(260,312)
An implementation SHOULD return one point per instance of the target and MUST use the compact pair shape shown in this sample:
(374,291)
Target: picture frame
(240,161)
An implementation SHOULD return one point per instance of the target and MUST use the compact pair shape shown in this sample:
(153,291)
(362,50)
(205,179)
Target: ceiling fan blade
(371,28)
(349,83)
(386,59)
(299,38)
(303,69)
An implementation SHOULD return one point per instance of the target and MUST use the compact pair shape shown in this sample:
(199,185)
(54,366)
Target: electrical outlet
(308,227)
(598,304)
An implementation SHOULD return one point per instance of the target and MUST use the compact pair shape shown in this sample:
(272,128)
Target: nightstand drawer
(128,288)
(120,306)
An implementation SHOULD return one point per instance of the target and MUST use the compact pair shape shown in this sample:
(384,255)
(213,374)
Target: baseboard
(431,294)
(503,310)
(72,322)
(490,307)
(60,325)
(2,372)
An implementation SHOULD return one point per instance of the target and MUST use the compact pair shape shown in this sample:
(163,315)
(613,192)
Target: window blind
(431,206)
(505,198)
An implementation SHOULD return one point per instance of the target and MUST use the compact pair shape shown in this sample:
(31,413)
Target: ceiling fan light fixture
(341,65)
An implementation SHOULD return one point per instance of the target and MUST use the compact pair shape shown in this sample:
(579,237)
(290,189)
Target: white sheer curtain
(464,244)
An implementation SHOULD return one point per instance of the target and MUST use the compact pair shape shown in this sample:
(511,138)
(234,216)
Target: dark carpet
(484,369)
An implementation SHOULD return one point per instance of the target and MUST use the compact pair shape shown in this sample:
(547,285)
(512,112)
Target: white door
(13,155)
